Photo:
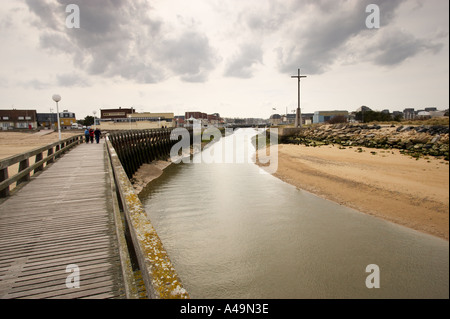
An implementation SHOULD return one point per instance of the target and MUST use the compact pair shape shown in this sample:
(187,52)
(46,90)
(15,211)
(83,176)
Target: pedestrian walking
(91,135)
(97,134)
(86,135)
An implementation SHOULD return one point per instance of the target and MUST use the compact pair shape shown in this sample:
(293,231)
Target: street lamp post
(95,122)
(57,98)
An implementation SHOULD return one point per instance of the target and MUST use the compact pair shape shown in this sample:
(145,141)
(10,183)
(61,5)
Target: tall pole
(59,123)
(57,98)
(298,116)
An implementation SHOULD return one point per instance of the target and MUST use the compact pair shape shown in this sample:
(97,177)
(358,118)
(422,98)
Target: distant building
(214,119)
(195,115)
(164,119)
(437,113)
(430,109)
(307,118)
(179,120)
(275,119)
(363,108)
(409,114)
(120,113)
(325,116)
(423,115)
(67,119)
(137,121)
(18,119)
(288,119)
(50,120)
(397,114)
(205,119)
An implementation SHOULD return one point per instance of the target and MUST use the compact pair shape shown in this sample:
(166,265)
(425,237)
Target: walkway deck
(57,219)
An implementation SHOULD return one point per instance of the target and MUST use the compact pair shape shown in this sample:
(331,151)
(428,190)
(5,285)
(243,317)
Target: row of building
(326,116)
(110,119)
(30,119)
(124,118)
(128,118)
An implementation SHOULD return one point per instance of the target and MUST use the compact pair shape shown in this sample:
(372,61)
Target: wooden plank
(55,281)
(61,291)
(20,224)
(59,274)
(36,248)
(52,231)
(45,252)
(61,234)
(62,238)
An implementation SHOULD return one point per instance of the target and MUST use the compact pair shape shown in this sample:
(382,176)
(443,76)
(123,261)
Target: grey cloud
(268,19)
(126,39)
(189,55)
(318,46)
(139,71)
(47,12)
(71,80)
(55,41)
(36,84)
(241,65)
(397,46)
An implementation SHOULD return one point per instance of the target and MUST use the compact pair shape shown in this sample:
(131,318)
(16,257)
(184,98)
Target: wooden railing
(137,147)
(43,156)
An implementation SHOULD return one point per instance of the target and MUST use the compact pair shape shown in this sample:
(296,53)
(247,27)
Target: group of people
(90,133)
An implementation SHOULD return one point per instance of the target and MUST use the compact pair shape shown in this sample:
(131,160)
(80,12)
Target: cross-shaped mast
(298,116)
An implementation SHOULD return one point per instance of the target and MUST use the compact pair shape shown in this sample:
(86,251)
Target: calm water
(232,232)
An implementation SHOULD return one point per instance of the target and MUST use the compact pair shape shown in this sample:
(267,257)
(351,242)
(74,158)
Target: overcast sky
(233,57)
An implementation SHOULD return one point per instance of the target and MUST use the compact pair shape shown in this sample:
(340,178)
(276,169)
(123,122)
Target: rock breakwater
(415,141)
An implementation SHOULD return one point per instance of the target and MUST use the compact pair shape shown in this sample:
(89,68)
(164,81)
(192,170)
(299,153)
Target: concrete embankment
(415,141)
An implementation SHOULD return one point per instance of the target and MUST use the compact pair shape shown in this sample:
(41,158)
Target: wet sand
(147,173)
(385,184)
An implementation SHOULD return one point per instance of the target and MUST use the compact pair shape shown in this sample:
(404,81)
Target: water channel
(232,231)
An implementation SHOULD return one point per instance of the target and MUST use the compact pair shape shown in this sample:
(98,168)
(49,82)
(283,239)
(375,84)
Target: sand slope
(389,185)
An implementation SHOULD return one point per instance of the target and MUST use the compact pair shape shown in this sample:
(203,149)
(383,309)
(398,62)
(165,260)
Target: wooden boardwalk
(59,218)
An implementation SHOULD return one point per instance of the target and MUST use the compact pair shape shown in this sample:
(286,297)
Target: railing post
(50,152)
(39,168)
(4,176)
(24,165)
(57,148)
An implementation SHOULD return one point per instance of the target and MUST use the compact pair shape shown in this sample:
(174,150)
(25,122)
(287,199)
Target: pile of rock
(412,140)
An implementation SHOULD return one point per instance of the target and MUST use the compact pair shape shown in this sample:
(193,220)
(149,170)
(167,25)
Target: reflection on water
(232,232)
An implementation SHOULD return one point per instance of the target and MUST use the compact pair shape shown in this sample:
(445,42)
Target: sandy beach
(13,143)
(385,183)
